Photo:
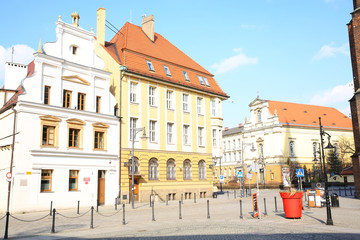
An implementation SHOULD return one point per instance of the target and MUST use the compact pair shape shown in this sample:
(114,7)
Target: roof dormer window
(150,65)
(186,76)
(206,81)
(167,70)
(200,80)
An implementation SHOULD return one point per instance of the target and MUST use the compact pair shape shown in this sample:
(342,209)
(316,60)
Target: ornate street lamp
(215,161)
(329,220)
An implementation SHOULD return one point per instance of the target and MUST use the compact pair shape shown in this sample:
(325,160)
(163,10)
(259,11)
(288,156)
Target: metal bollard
(275,204)
(7,225)
(351,191)
(150,200)
(92,217)
(265,206)
(228,194)
(51,208)
(153,213)
(195,197)
(78,208)
(345,192)
(167,199)
(97,205)
(339,191)
(182,199)
(246,192)
(180,210)
(123,213)
(53,221)
(115,204)
(234,194)
(241,215)
(208,209)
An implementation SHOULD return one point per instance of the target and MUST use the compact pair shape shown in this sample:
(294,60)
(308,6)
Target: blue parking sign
(222,178)
(300,172)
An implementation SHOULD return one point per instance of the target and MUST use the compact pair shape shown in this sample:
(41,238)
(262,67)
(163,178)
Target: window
(261,150)
(67,99)
(46,180)
(133,87)
(169,99)
(186,76)
(170,133)
(99,140)
(186,134)
(213,108)
(225,172)
(81,101)
(200,105)
(171,170)
(206,81)
(136,164)
(98,104)
(74,137)
(200,136)
(230,172)
(216,173)
(153,169)
(292,148)
(202,170)
(186,102)
(314,149)
(200,80)
(234,143)
(132,126)
(150,65)
(214,137)
(259,116)
(187,170)
(152,92)
(48,135)
(47,95)
(167,70)
(73,180)
(74,50)
(152,129)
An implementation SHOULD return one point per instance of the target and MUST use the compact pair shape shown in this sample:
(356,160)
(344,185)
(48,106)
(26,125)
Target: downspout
(120,137)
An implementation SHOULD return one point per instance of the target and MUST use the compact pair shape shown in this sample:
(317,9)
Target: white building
(66,137)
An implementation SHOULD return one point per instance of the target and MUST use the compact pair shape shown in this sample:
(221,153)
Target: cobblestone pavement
(224,221)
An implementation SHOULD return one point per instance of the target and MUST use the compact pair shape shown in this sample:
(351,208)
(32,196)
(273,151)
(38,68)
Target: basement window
(150,65)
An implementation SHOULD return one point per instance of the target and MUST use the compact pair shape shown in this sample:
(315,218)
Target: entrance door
(101,187)
(136,189)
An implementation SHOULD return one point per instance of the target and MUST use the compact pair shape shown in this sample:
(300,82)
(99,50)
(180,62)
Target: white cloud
(22,54)
(234,62)
(328,51)
(336,95)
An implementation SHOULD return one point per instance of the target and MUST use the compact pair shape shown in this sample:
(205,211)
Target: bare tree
(346,149)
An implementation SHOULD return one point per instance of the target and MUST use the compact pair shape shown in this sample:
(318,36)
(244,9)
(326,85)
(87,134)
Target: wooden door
(101,187)
(136,190)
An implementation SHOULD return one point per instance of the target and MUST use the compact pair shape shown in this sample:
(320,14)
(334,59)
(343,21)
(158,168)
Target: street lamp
(215,161)
(329,220)
(143,137)
(243,145)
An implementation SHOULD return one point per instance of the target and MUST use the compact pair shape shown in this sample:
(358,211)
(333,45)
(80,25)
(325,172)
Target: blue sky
(295,51)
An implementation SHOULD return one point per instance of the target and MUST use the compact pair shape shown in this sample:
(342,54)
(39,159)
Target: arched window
(292,148)
(137,166)
(171,170)
(314,148)
(153,169)
(187,169)
(202,169)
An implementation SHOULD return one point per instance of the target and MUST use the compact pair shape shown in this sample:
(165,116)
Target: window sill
(99,150)
(171,109)
(74,148)
(201,146)
(153,106)
(48,146)
(188,112)
(74,191)
(200,114)
(136,103)
(171,180)
(47,192)
(171,143)
(154,142)
(187,179)
(187,145)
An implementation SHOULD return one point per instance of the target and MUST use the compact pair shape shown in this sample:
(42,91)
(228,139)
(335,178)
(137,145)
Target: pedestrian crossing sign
(239,174)
(300,172)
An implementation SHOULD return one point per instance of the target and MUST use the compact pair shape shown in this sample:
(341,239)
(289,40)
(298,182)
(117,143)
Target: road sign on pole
(240,174)
(8,176)
(222,178)
(300,172)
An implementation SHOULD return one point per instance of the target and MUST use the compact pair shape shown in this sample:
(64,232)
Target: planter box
(292,204)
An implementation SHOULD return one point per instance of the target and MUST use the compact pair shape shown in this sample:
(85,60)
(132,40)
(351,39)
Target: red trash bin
(292,204)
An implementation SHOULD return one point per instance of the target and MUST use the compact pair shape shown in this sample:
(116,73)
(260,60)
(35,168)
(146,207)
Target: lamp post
(329,220)
(134,132)
(243,145)
(215,161)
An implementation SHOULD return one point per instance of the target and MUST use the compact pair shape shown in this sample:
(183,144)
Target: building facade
(59,135)
(177,101)
(277,133)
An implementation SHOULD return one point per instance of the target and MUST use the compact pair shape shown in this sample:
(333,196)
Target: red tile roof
(347,171)
(296,114)
(131,47)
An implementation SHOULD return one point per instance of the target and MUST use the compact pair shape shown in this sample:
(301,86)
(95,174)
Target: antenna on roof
(143,16)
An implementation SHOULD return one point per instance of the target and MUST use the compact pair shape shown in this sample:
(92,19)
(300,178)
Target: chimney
(226,128)
(356,4)
(240,125)
(100,26)
(148,26)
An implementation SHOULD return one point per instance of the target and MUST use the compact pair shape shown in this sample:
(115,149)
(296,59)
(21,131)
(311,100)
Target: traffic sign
(300,172)
(249,175)
(9,175)
(222,178)
(240,174)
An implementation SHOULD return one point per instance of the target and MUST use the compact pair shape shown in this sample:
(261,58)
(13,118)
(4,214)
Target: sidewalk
(224,222)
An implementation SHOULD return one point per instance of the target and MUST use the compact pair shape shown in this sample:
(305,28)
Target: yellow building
(177,101)
(278,133)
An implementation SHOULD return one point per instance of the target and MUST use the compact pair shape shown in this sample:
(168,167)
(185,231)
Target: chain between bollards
(123,214)
(92,217)
(208,209)
(241,213)
(180,217)
(265,213)
(53,221)
(275,204)
(153,213)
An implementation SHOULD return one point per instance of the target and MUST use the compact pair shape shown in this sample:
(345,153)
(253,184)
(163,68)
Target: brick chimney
(100,26)
(148,26)
(240,125)
(356,4)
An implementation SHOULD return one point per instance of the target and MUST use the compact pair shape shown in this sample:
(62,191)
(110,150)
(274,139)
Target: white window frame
(133,123)
(167,70)
(206,81)
(170,133)
(186,134)
(292,148)
(214,136)
(169,99)
(201,80)
(152,131)
(201,136)
(133,92)
(150,65)
(199,103)
(152,96)
(213,108)
(185,103)
(186,76)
